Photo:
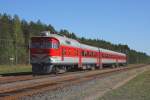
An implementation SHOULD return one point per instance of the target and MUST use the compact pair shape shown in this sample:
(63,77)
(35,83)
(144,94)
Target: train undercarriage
(44,68)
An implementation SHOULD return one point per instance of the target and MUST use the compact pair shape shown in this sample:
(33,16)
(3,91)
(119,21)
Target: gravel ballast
(89,90)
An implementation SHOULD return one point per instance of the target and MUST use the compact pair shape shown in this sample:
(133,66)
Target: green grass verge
(136,89)
(6,69)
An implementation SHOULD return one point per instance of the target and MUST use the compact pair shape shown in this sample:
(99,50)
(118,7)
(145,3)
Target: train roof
(84,46)
(110,51)
(66,41)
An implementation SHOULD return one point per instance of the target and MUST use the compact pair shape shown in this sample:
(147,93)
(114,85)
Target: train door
(100,60)
(97,57)
(80,58)
(63,53)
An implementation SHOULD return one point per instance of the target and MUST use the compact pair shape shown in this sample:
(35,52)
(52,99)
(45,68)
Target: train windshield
(44,44)
(41,45)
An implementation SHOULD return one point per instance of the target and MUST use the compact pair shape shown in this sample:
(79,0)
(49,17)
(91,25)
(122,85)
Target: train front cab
(42,50)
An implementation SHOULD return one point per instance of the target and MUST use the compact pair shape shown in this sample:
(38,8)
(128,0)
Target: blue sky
(117,21)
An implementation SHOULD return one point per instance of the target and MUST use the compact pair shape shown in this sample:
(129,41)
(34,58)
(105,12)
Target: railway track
(11,79)
(18,89)
(14,78)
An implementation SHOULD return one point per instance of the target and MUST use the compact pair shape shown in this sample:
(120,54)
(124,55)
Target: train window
(34,45)
(41,45)
(102,55)
(69,51)
(85,53)
(55,45)
(94,54)
(64,51)
(90,53)
(105,55)
(82,53)
(110,56)
(76,52)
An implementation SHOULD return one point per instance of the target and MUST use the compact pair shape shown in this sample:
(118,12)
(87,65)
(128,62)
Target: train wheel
(55,70)
(58,69)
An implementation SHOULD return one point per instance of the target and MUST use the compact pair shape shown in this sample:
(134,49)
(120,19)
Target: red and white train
(53,53)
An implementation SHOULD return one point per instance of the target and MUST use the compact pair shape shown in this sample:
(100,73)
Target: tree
(6,50)
(51,29)
(19,40)
(26,33)
(17,30)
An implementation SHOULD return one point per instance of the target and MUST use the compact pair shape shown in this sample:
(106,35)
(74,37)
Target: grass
(136,89)
(6,69)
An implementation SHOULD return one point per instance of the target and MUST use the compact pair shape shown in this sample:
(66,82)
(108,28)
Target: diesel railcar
(54,53)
